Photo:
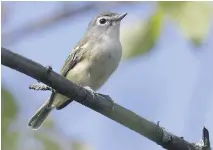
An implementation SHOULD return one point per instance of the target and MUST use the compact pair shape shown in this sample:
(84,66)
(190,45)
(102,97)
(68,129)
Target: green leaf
(141,38)
(193,18)
(9,110)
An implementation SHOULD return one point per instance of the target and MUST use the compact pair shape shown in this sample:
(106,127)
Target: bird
(91,62)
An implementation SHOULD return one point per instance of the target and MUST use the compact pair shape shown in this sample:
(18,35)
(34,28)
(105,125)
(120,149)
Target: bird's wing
(76,56)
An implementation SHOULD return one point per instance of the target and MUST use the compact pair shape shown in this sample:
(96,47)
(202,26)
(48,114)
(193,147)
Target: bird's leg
(90,90)
(40,86)
(107,97)
(43,87)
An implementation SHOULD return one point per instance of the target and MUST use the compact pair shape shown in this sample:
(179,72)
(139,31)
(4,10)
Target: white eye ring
(102,21)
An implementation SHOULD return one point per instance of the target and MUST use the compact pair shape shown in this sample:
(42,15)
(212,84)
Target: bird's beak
(120,17)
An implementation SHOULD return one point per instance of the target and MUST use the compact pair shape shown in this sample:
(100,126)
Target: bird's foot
(107,97)
(90,90)
(40,86)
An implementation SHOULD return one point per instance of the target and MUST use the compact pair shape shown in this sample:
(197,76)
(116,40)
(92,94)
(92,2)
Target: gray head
(107,23)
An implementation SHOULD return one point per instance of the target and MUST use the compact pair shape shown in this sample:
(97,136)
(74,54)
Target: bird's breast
(97,66)
(103,62)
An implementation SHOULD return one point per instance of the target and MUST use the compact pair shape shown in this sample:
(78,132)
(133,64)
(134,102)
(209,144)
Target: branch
(119,114)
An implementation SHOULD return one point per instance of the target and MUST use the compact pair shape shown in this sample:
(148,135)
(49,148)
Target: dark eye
(102,21)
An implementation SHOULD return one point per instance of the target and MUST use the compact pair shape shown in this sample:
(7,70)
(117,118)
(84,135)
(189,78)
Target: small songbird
(91,62)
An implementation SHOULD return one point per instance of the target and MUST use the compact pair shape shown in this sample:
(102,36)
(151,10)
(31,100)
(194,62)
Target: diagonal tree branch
(119,114)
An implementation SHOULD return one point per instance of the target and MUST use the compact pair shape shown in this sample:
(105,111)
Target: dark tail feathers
(39,117)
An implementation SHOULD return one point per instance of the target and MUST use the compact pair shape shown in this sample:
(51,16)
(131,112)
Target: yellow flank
(77,75)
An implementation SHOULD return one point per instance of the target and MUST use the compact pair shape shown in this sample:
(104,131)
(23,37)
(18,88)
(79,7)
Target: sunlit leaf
(140,38)
(193,18)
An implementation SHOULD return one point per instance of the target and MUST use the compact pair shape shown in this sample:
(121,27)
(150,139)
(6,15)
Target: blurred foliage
(79,146)
(48,143)
(9,111)
(136,44)
(48,135)
(193,19)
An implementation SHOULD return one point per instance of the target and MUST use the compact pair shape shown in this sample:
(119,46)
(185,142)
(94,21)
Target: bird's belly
(88,73)
(101,70)
(95,71)
(103,64)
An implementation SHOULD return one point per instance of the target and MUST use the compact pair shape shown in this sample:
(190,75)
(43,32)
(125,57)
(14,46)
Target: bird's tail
(39,117)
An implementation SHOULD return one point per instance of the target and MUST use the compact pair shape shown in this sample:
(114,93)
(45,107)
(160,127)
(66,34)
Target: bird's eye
(102,21)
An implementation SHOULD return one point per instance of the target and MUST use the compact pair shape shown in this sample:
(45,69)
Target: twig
(99,104)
